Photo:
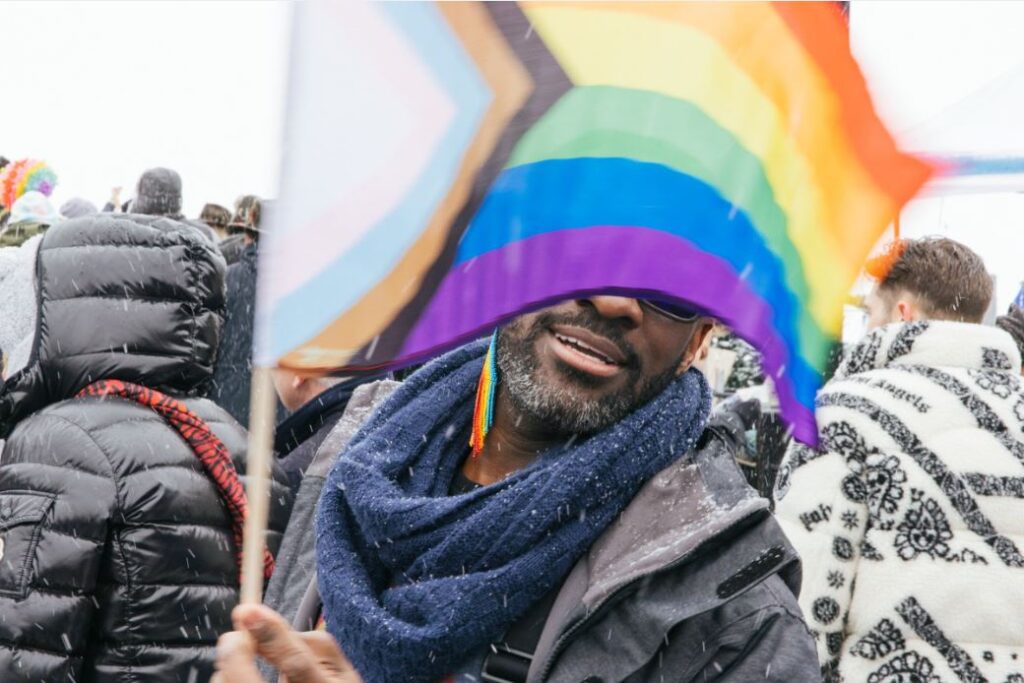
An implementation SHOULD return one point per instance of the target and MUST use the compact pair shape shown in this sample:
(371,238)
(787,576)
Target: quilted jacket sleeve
(57,494)
(821,508)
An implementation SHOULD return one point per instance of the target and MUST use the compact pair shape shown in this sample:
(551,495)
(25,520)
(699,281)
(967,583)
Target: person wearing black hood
(120,497)
(159,194)
(232,375)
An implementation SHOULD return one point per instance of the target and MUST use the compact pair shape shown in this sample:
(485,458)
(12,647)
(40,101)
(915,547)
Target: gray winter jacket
(694,582)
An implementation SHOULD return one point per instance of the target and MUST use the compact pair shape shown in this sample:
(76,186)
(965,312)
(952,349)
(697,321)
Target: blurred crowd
(602,490)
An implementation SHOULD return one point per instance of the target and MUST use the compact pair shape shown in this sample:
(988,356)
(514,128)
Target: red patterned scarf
(204,443)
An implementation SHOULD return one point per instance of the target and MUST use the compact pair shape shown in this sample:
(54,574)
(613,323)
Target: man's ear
(906,311)
(701,335)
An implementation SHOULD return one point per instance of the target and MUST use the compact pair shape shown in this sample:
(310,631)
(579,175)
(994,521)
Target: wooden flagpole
(257,487)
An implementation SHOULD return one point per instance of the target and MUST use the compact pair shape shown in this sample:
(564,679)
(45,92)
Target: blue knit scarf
(414,580)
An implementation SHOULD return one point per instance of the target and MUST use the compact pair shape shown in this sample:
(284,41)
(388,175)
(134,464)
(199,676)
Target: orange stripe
(824,35)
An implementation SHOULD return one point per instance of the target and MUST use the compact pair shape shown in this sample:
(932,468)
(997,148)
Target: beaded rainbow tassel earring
(483,410)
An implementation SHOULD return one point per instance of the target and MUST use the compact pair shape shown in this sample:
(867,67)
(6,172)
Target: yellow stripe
(24,179)
(605,46)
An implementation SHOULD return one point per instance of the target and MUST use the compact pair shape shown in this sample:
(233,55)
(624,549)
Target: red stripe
(820,28)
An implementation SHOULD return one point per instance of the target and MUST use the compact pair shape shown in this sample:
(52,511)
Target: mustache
(590,320)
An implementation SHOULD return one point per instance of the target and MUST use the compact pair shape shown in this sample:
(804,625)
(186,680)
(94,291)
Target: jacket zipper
(601,608)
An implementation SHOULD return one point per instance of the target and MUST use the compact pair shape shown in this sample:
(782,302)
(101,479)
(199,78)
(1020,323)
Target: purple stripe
(474,297)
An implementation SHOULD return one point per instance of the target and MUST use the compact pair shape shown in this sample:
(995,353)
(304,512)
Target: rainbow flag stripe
(483,408)
(724,154)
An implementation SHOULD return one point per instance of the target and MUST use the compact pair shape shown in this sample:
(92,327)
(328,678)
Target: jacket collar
(309,418)
(934,343)
(699,501)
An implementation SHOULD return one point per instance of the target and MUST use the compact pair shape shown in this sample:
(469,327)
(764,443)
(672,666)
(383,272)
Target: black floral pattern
(925,627)
(863,356)
(924,530)
(836,579)
(850,520)
(998,382)
(904,341)
(876,481)
(910,667)
(953,488)
(843,438)
(870,552)
(881,641)
(825,610)
(834,642)
(967,556)
(842,549)
(885,479)
(854,488)
(994,359)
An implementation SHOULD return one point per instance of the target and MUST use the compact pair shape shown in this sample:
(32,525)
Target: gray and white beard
(565,411)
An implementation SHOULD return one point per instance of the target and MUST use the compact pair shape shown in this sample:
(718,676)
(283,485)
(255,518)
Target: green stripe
(604,121)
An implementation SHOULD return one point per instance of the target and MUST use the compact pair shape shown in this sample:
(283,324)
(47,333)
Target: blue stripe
(970,166)
(303,314)
(567,194)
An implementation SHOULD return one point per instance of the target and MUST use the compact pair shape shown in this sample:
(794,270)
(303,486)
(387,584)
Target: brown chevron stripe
(510,86)
(550,83)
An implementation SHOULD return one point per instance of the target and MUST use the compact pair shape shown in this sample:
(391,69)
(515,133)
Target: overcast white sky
(104,90)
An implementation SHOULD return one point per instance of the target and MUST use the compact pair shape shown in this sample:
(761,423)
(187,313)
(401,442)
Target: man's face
(584,364)
(881,310)
(287,385)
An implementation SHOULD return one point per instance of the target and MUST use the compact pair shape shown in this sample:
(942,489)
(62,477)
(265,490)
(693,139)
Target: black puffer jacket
(117,560)
(232,375)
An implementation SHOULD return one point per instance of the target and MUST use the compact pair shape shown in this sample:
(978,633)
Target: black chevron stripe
(986,418)
(905,338)
(925,627)
(549,84)
(995,486)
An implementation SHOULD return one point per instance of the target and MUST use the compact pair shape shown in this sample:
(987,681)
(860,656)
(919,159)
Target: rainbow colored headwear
(483,410)
(25,175)
(722,154)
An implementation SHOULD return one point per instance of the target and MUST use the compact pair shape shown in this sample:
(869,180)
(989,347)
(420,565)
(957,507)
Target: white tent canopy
(948,77)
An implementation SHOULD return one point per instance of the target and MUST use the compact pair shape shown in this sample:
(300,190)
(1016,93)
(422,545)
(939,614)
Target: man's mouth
(586,351)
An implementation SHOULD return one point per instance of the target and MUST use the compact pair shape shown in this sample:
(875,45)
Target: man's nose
(617,307)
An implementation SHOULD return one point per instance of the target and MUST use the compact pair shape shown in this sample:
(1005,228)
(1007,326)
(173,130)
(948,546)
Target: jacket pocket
(22,514)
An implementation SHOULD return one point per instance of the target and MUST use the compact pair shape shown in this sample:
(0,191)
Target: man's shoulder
(908,389)
(76,433)
(365,399)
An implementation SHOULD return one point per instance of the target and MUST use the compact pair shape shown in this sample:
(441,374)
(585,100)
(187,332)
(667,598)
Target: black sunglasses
(671,309)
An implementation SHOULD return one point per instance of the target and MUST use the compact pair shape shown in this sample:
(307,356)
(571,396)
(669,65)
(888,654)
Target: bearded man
(596,528)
